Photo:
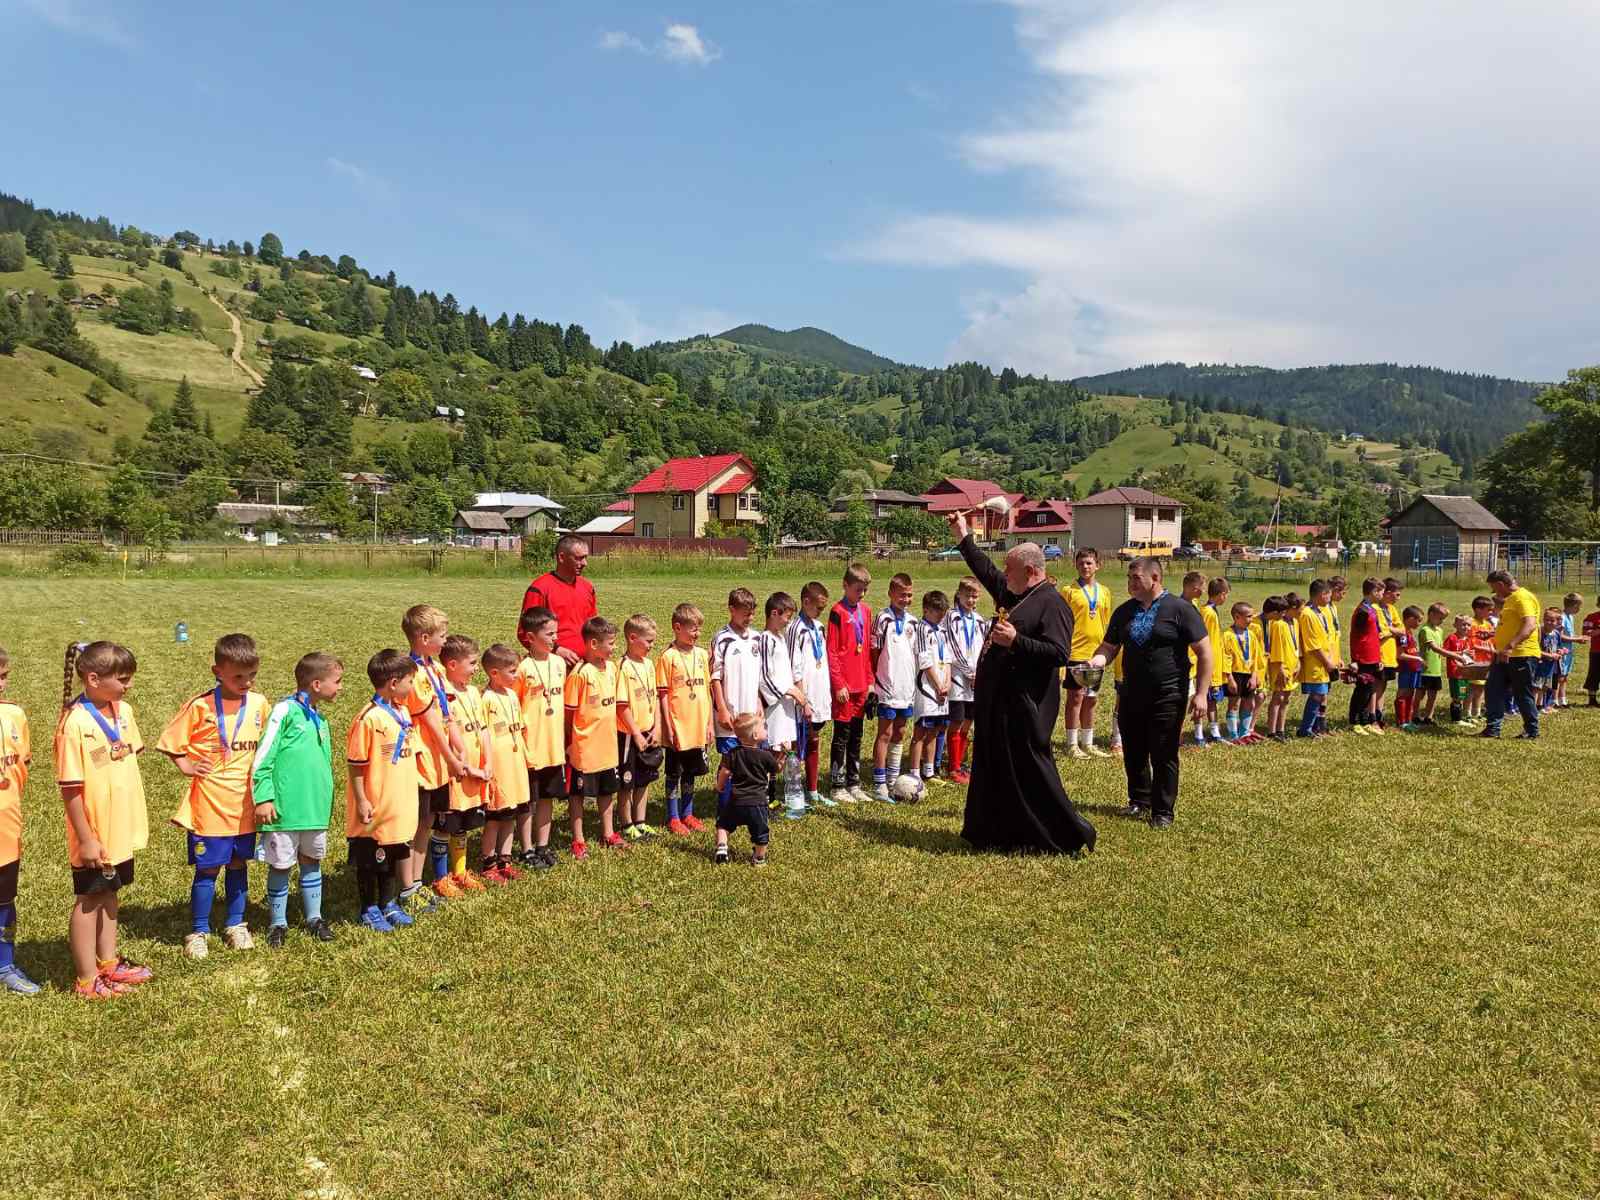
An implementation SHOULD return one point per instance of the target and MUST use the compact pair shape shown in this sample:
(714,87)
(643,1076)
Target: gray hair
(1027,555)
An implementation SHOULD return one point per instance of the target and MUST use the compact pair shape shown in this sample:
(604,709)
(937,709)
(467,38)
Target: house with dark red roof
(1047,522)
(1123,517)
(969,496)
(679,497)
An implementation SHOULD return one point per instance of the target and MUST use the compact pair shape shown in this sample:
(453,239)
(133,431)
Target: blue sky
(1064,185)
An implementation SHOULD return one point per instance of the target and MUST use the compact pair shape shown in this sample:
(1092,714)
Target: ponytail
(74,649)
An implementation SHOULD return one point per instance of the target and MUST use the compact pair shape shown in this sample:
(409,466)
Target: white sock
(893,761)
(927,770)
(1216,730)
(1199,733)
(1088,738)
(1072,736)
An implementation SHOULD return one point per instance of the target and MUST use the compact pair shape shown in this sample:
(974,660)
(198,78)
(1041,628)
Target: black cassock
(1016,800)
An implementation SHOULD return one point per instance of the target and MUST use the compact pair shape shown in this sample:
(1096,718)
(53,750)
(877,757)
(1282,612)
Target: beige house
(1123,517)
(681,496)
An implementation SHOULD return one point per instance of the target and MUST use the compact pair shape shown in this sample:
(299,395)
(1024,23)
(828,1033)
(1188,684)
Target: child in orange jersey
(213,741)
(541,687)
(381,809)
(592,702)
(438,752)
(97,767)
(683,682)
(16,754)
(508,802)
(469,793)
(639,727)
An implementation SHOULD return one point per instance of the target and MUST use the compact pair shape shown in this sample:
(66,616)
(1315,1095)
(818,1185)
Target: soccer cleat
(1096,752)
(647,830)
(860,794)
(694,824)
(511,873)
(720,856)
(276,936)
(881,794)
(580,850)
(494,874)
(1116,749)
(759,862)
(12,979)
(194,946)
(677,828)
(544,859)
(320,930)
(127,974)
(447,887)
(398,917)
(98,988)
(372,917)
(615,841)
(468,882)
(421,903)
(633,833)
(1076,751)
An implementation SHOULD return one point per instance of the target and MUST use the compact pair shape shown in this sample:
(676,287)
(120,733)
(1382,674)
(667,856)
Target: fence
(51,537)
(241,558)
(604,544)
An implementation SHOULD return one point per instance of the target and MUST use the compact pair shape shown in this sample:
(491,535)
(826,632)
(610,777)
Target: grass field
(1352,969)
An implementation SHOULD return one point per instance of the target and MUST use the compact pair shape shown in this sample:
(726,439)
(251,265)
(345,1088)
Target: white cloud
(1247,180)
(364,178)
(83,18)
(678,43)
(627,323)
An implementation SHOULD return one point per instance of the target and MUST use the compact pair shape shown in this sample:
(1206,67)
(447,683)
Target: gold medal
(5,782)
(119,751)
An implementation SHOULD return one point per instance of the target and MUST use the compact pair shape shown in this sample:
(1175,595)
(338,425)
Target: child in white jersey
(965,632)
(735,673)
(783,701)
(894,663)
(808,653)
(931,707)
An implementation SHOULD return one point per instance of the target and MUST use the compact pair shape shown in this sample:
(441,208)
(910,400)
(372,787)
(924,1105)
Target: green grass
(1354,968)
(1149,447)
(165,356)
(33,398)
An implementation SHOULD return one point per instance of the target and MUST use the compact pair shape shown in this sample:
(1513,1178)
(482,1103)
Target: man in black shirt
(1155,630)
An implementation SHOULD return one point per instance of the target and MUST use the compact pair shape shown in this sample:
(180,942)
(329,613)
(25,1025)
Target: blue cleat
(374,919)
(13,980)
(396,916)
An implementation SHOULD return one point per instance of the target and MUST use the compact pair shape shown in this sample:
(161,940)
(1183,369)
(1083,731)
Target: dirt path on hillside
(238,342)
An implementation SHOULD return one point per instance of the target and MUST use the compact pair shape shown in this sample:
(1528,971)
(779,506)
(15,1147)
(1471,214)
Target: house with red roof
(1047,522)
(968,496)
(679,497)
(1123,517)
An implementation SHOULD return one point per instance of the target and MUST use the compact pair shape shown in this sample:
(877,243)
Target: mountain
(1464,415)
(812,345)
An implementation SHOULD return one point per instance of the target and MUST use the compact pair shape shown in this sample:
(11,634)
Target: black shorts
(1391,673)
(1431,683)
(436,799)
(687,763)
(1068,683)
(547,783)
(1241,681)
(631,770)
(962,710)
(367,855)
(746,816)
(88,881)
(8,881)
(458,821)
(592,785)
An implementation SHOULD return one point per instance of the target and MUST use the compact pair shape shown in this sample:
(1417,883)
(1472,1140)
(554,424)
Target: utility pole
(374,514)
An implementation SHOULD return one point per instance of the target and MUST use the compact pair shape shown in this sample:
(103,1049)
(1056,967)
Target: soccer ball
(907,789)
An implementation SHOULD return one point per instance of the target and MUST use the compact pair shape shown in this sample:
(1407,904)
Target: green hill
(811,345)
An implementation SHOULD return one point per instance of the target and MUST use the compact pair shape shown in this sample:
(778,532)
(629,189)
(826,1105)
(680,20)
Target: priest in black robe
(1016,800)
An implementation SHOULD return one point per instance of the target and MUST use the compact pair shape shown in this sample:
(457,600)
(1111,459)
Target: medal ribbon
(1243,640)
(1091,599)
(222,720)
(811,628)
(435,683)
(405,726)
(113,732)
(969,629)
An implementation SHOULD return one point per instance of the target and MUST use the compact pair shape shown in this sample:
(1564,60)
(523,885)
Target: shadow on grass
(1111,810)
(891,833)
(171,922)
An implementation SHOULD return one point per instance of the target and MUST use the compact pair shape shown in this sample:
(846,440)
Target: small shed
(1445,529)
(470,523)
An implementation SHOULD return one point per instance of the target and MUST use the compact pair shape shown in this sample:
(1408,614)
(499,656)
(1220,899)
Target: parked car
(1296,554)
(953,554)
(1051,553)
(1193,552)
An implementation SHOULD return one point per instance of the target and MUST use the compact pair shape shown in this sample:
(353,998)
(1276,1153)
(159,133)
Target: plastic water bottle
(180,633)
(794,788)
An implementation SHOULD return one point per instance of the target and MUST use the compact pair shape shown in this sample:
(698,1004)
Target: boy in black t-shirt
(743,778)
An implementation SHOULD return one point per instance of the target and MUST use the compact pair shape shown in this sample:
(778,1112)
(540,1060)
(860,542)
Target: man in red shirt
(1591,630)
(565,592)
(849,643)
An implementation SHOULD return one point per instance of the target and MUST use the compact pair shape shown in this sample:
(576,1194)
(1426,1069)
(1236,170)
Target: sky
(1062,186)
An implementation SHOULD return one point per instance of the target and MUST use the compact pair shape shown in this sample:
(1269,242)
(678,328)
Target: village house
(523,513)
(1126,518)
(1434,530)
(253,522)
(968,496)
(681,496)
(1047,522)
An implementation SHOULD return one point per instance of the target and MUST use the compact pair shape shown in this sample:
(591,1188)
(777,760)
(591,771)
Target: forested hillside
(1465,416)
(116,349)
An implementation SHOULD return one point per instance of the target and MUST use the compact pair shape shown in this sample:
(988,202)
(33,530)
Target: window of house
(680,501)
(1050,541)
(1142,514)
(1169,514)
(648,529)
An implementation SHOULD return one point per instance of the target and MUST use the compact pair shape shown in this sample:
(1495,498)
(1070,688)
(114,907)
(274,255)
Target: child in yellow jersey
(469,792)
(1214,614)
(438,753)
(683,683)
(1319,663)
(1279,639)
(16,755)
(97,767)
(381,809)
(1338,585)
(1243,661)
(508,802)
(592,701)
(213,742)
(1090,603)
(1194,591)
(541,684)
(639,752)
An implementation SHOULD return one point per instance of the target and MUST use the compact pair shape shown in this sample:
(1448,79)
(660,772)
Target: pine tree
(270,251)
(394,327)
(184,413)
(10,326)
(64,266)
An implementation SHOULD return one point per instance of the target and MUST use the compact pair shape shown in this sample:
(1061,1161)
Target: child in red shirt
(1591,630)
(1457,651)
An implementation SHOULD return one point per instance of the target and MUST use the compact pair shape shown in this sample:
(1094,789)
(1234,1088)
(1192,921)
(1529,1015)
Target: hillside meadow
(1355,967)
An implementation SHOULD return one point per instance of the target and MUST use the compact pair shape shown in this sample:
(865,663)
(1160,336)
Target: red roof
(1058,514)
(1130,495)
(736,484)
(691,474)
(960,495)
(1297,530)
(617,506)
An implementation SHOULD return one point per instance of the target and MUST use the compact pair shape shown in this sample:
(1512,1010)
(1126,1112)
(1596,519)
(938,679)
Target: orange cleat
(98,988)
(694,824)
(125,974)
(447,887)
(468,882)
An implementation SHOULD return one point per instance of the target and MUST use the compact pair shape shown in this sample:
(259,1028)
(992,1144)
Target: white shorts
(281,848)
(782,729)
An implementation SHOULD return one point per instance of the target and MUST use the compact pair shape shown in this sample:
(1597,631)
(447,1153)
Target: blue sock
(277,896)
(880,776)
(439,855)
(202,895)
(8,935)
(311,892)
(672,806)
(1233,726)
(686,800)
(236,890)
